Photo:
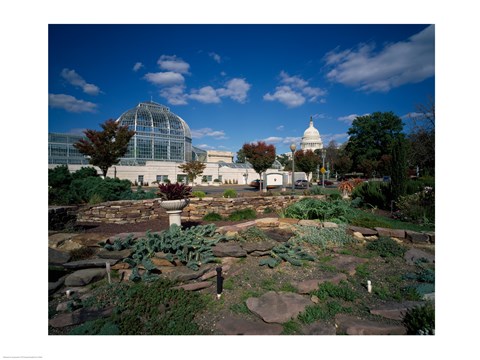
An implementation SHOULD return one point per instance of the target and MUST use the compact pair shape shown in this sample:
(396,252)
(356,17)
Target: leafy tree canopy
(371,141)
(192,169)
(307,161)
(106,147)
(260,155)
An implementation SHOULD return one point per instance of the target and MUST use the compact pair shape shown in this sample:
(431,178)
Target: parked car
(301,184)
(327,182)
(256,184)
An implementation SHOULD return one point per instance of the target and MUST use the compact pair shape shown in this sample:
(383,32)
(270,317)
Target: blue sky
(239,83)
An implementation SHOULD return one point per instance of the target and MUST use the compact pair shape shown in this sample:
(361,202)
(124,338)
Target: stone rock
(346,263)
(259,253)
(364,231)
(319,328)
(431,236)
(57,239)
(252,246)
(412,255)
(231,325)
(212,273)
(228,249)
(54,286)
(310,223)
(89,263)
(351,325)
(267,222)
(371,238)
(229,228)
(90,239)
(120,266)
(194,286)
(184,273)
(394,310)
(417,237)
(288,221)
(278,307)
(306,286)
(118,255)
(280,235)
(161,262)
(314,299)
(246,225)
(78,316)
(85,277)
(56,257)
(327,224)
(398,233)
(358,235)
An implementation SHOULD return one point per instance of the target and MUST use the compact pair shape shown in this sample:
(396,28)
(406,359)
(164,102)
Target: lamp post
(293,147)
(324,153)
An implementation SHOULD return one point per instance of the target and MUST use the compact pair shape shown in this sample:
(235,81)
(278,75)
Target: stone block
(417,237)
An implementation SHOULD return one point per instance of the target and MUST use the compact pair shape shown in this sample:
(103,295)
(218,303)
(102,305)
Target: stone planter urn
(174,208)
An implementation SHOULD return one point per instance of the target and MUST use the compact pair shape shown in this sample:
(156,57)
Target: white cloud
(273,140)
(70,103)
(280,128)
(173,63)
(236,89)
(295,91)
(77,131)
(292,140)
(286,96)
(216,134)
(165,78)
(223,73)
(76,80)
(215,57)
(326,138)
(404,62)
(349,118)
(205,147)
(137,66)
(175,95)
(206,95)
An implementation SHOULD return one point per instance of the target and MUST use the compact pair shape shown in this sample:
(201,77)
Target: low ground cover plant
(244,214)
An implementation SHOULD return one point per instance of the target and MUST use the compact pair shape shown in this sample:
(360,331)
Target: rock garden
(307,270)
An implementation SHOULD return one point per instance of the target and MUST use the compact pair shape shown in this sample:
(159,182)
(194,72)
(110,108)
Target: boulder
(413,255)
(394,310)
(118,255)
(90,239)
(278,307)
(252,246)
(310,223)
(228,249)
(231,325)
(346,263)
(194,286)
(327,224)
(364,231)
(56,257)
(78,316)
(267,222)
(397,233)
(417,237)
(319,328)
(89,263)
(351,325)
(85,277)
(306,286)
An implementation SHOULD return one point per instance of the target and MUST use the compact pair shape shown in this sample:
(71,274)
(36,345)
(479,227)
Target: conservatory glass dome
(159,135)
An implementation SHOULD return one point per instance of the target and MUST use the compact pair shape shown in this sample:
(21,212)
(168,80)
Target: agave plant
(177,191)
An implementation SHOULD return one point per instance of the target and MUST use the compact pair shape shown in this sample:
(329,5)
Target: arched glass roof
(159,134)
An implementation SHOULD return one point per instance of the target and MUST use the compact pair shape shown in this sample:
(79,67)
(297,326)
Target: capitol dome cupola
(311,138)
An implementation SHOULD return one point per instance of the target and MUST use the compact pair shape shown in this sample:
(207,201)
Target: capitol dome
(159,135)
(311,138)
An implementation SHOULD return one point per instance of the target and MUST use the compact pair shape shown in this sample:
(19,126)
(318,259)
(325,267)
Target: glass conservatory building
(160,135)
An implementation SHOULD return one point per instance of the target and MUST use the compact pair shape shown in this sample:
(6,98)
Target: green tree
(371,137)
(399,168)
(240,157)
(422,139)
(106,147)
(260,155)
(192,169)
(307,161)
(286,162)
